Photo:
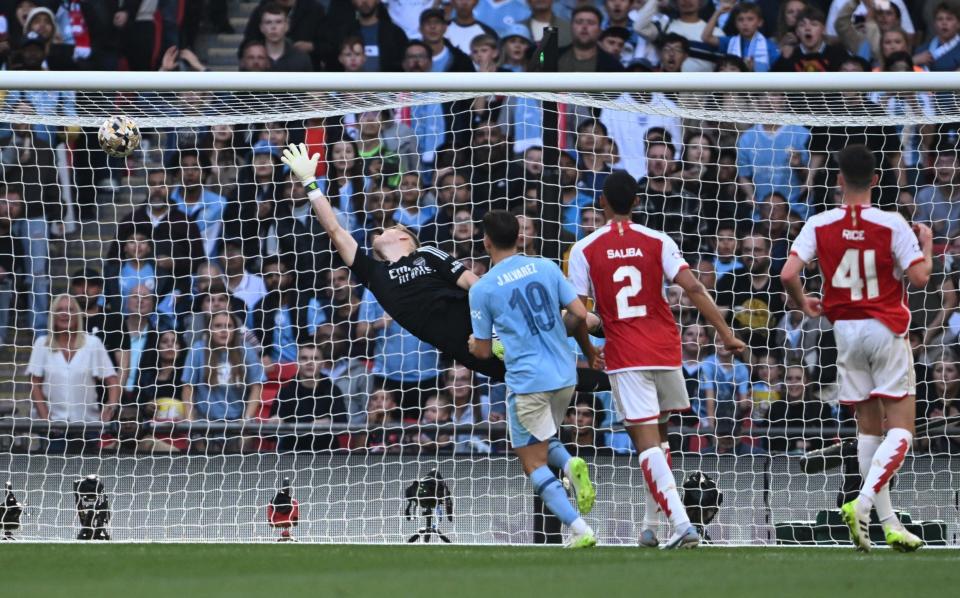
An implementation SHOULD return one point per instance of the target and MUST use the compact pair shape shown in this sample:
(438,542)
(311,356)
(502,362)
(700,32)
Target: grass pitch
(285,570)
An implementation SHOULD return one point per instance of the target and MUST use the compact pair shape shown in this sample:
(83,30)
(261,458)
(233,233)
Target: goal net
(177,323)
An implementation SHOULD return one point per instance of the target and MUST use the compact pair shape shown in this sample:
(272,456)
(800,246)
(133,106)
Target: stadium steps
(220,50)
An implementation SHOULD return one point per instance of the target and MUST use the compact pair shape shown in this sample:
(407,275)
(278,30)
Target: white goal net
(177,323)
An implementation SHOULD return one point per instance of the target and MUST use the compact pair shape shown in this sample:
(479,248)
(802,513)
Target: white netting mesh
(200,244)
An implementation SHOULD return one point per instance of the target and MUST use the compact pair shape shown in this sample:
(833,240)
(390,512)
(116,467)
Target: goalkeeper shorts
(643,395)
(536,417)
(872,362)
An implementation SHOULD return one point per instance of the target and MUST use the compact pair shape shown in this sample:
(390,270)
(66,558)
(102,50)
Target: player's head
(500,230)
(857,168)
(395,241)
(619,193)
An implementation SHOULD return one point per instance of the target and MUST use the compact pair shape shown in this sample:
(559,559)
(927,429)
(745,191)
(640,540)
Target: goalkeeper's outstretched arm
(305,167)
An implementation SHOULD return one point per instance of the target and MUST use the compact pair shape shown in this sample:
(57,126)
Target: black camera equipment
(93,508)
(702,500)
(283,512)
(10,512)
(432,497)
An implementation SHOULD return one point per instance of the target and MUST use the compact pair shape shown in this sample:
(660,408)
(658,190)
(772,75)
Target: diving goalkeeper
(423,288)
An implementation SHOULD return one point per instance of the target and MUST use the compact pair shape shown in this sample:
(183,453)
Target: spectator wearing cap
(445,57)
(177,243)
(584,55)
(750,44)
(383,41)
(284,55)
(515,48)
(305,18)
(500,14)
(57,39)
(253,57)
(465,27)
(613,41)
(542,16)
(651,25)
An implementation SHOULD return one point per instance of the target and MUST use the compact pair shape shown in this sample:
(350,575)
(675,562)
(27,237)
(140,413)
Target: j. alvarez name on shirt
(404,274)
(517,274)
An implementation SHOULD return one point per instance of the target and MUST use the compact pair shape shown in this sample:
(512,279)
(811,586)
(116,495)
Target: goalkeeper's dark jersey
(420,292)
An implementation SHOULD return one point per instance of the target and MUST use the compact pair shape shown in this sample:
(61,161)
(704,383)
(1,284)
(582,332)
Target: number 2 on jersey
(624,295)
(848,274)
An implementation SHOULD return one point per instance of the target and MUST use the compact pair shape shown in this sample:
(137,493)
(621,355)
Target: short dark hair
(857,166)
(620,191)
(249,44)
(857,60)
(587,8)
(946,7)
(502,228)
(673,38)
(274,8)
(351,41)
(750,7)
(812,13)
(896,57)
(417,42)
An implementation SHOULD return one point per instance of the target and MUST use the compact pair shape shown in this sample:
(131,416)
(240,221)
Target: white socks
(887,459)
(867,446)
(579,526)
(651,510)
(662,487)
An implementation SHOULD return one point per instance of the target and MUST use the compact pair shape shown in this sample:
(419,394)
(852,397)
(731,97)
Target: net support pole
(547,528)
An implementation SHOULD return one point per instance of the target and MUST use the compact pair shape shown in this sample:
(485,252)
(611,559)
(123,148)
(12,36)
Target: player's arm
(698,295)
(575,320)
(480,343)
(304,167)
(793,284)
(467,280)
(919,271)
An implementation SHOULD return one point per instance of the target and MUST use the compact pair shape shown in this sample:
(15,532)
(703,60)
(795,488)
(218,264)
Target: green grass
(284,571)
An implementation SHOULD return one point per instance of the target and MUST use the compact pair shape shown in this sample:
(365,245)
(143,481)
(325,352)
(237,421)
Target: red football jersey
(863,253)
(623,266)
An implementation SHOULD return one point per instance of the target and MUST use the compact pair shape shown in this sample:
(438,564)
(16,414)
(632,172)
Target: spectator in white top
(406,14)
(465,27)
(629,129)
(65,368)
(650,24)
(243,285)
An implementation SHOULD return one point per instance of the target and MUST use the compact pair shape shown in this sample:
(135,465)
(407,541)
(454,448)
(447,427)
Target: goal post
(240,352)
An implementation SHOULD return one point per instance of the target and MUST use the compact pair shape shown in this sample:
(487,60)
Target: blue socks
(557,455)
(551,491)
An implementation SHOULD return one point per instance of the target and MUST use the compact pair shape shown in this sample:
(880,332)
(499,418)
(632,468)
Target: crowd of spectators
(219,298)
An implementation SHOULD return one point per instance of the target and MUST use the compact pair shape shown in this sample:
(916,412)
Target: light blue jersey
(521,298)
(501,14)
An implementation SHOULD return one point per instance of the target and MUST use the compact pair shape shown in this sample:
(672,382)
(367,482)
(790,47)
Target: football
(119,136)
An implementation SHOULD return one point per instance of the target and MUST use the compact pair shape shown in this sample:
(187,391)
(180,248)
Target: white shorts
(642,395)
(872,362)
(536,417)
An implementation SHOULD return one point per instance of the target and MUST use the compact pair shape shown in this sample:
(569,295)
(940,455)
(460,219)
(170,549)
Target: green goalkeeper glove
(301,163)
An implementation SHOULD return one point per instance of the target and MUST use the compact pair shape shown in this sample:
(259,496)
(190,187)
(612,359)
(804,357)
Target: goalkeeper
(422,288)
